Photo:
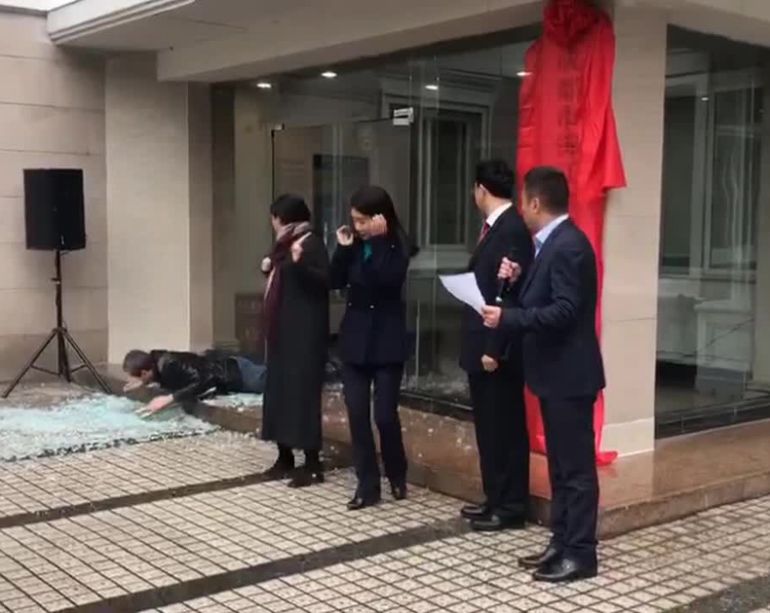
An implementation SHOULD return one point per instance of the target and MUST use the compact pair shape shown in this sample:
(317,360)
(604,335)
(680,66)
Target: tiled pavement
(263,547)
(656,569)
(87,559)
(61,482)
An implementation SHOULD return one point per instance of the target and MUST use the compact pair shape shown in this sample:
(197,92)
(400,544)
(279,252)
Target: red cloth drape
(566,120)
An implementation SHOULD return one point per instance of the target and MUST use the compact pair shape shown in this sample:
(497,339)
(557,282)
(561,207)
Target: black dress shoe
(541,560)
(475,511)
(305,476)
(565,570)
(360,502)
(279,470)
(495,523)
(398,491)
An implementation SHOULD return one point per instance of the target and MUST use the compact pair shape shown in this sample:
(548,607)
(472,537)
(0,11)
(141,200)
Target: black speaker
(53,209)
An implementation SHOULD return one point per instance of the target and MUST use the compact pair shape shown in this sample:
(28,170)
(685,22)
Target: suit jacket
(373,330)
(508,237)
(557,318)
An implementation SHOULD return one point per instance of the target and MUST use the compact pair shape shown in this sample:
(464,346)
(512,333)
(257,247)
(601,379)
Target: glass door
(426,161)
(326,164)
(711,369)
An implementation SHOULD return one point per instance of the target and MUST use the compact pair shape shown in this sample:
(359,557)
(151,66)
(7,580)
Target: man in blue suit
(562,366)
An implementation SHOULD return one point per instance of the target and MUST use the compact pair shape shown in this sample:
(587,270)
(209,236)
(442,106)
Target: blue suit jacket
(373,330)
(561,353)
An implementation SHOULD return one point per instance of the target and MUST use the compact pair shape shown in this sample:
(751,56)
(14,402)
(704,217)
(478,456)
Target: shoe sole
(299,486)
(501,529)
(313,481)
(581,577)
(366,506)
(278,476)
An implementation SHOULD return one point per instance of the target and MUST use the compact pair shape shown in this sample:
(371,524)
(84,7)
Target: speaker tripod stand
(62,337)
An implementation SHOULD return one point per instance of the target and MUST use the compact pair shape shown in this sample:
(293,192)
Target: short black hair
(289,208)
(496,177)
(137,361)
(550,186)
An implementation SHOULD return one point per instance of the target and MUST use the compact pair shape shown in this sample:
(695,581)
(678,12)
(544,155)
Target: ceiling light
(329,74)
(432,87)
(523,73)
(264,85)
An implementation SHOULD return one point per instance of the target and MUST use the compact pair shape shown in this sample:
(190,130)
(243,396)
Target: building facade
(188,116)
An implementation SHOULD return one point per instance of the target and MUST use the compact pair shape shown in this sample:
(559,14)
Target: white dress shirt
(546,232)
(497,213)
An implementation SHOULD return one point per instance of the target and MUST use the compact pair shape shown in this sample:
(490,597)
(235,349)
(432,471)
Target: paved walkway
(61,482)
(189,525)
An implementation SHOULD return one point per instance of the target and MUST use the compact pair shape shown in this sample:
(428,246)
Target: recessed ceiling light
(704,98)
(329,74)
(264,85)
(432,87)
(523,73)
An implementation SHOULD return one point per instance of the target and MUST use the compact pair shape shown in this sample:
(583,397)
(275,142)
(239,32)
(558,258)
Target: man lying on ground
(189,376)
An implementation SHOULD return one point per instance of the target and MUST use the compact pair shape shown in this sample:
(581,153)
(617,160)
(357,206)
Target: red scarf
(280,254)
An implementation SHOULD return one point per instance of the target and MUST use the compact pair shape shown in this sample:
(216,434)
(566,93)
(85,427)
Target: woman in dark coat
(297,331)
(371,262)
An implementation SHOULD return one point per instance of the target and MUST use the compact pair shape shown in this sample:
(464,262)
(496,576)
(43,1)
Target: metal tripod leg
(63,361)
(30,364)
(62,336)
(86,362)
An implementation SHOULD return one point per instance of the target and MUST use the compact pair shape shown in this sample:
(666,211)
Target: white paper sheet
(465,289)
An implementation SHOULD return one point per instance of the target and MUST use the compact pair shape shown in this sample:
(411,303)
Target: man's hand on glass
(132,385)
(155,406)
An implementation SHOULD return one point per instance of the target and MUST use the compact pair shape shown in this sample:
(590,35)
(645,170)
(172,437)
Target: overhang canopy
(220,40)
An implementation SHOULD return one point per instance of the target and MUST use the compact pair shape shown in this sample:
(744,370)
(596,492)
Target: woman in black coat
(371,262)
(297,332)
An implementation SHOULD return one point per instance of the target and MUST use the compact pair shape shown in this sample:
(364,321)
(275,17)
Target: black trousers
(501,438)
(569,437)
(357,384)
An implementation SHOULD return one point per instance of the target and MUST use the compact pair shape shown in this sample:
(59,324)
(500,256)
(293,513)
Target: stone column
(631,242)
(225,221)
(159,255)
(761,367)
(253,188)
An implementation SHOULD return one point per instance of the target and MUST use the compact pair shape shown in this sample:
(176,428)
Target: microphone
(502,284)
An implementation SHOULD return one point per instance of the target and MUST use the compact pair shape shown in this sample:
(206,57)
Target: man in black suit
(562,366)
(492,359)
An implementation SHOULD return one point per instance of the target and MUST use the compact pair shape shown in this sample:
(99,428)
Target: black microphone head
(502,284)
